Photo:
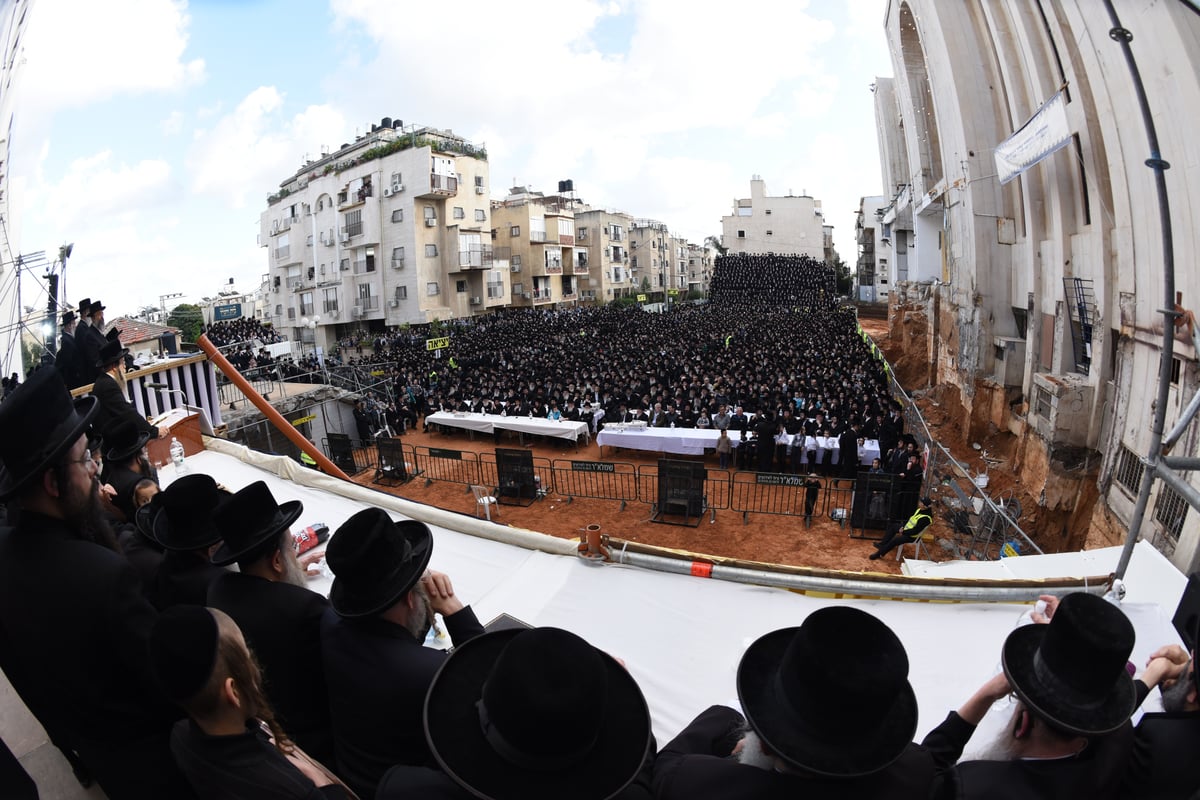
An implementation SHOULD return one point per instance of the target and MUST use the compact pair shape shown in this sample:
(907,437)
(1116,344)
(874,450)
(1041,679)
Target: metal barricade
(600,480)
(452,466)
(774,493)
(542,470)
(352,456)
(717,488)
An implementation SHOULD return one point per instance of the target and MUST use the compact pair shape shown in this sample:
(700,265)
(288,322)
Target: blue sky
(149,132)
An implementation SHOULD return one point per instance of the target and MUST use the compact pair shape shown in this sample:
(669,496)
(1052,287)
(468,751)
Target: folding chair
(484,500)
(923,537)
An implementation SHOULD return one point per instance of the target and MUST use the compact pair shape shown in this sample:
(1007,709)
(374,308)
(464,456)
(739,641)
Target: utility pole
(162,303)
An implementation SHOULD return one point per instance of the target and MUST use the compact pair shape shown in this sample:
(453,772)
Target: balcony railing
(495,291)
(363,267)
(580,268)
(476,257)
(565,239)
(537,236)
(541,295)
(568,295)
(282,252)
(368,303)
(330,306)
(443,185)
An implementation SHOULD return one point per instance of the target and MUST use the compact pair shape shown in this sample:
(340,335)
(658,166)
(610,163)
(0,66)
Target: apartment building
(538,235)
(1041,289)
(603,235)
(699,268)
(392,228)
(787,225)
(871,267)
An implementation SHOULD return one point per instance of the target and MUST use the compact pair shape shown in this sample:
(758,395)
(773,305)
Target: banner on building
(1045,133)
(229,311)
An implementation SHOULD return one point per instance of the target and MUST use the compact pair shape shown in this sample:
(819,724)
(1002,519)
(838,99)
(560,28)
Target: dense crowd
(245,329)
(747,279)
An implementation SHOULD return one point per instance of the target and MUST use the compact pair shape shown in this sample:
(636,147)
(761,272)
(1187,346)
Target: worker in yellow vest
(915,526)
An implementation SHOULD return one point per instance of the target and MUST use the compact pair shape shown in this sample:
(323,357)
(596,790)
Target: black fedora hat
(122,440)
(183,513)
(67,318)
(536,714)
(113,335)
(38,423)
(249,518)
(111,353)
(1072,671)
(832,696)
(98,306)
(375,561)
(85,307)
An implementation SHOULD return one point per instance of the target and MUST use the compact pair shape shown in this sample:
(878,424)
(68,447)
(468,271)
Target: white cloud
(253,148)
(96,186)
(173,124)
(80,52)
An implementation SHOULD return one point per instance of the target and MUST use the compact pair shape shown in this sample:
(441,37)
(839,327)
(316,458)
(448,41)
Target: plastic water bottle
(177,457)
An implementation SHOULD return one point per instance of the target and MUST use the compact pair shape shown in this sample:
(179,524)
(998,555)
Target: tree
(845,281)
(715,243)
(645,283)
(189,319)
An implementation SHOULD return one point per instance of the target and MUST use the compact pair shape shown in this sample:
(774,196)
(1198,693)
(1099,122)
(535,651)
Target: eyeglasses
(86,461)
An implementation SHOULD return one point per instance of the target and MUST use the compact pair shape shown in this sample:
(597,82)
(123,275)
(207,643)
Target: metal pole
(1155,162)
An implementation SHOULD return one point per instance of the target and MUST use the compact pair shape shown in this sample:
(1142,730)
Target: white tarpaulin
(1044,133)
(680,636)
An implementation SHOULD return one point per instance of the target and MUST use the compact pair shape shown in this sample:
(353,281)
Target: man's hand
(1172,652)
(163,433)
(1165,666)
(442,599)
(1044,617)
(985,696)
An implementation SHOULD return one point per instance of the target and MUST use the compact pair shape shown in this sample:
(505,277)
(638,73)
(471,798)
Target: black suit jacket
(90,341)
(182,579)
(282,625)
(74,628)
(69,362)
(378,675)
(696,764)
(1094,774)
(114,406)
(1162,763)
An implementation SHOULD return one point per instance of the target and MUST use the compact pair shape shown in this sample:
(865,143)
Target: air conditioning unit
(527,296)
(345,238)
(397,263)
(394,303)
(429,223)
(475,301)
(387,192)
(478,190)
(397,188)
(358,311)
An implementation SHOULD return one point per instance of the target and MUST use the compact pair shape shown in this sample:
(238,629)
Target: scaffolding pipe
(864,588)
(277,419)
(1123,37)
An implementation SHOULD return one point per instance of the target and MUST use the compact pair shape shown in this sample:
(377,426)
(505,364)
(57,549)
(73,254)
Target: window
(768,211)
(331,301)
(1176,365)
(354,226)
(515,263)
(397,255)
(369,259)
(479,181)
(495,284)
(430,213)
(430,250)
(291,313)
(480,215)
(279,310)
(401,292)
(1170,510)
(515,230)
(398,215)
(518,288)
(633,262)
(459,213)
(431,288)
(344,264)
(770,233)
(741,235)
(397,177)
(306,304)
(460,287)
(1129,469)
(1044,402)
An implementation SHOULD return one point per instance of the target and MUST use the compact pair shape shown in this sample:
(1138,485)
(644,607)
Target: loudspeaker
(391,461)
(872,501)
(1187,614)
(341,453)
(515,474)
(681,488)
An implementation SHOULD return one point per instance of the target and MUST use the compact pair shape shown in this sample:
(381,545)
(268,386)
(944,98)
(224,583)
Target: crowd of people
(162,671)
(748,279)
(223,333)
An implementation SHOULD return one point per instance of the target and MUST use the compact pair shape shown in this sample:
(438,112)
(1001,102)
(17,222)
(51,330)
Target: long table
(694,441)
(488,423)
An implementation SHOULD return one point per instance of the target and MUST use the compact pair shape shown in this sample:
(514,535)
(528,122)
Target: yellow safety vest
(916,517)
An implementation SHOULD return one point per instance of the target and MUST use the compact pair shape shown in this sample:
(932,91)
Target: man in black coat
(376,666)
(279,616)
(1070,734)
(1162,763)
(69,360)
(823,720)
(182,523)
(74,625)
(109,389)
(91,340)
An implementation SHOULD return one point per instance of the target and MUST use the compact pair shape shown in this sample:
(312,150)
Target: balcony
(363,267)
(580,268)
(441,186)
(537,236)
(567,240)
(282,253)
(476,257)
(368,303)
(541,295)
(568,295)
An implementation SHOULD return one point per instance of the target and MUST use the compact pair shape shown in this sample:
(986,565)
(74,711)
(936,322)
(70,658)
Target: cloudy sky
(149,132)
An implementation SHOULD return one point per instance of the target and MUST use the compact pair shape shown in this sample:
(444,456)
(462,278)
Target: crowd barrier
(598,480)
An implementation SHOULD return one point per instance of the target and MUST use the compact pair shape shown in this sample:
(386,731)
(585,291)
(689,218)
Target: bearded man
(109,389)
(74,624)
(377,669)
(279,616)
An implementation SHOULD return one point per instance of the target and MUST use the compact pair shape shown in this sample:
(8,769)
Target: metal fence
(543,472)
(716,494)
(599,480)
(452,466)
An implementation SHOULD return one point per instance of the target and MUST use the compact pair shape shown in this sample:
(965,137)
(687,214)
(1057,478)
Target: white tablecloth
(867,452)
(682,441)
(487,423)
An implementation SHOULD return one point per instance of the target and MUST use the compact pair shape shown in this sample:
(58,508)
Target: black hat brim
(85,409)
(808,743)
(287,514)
(353,601)
(454,734)
(1083,717)
(123,454)
(113,359)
